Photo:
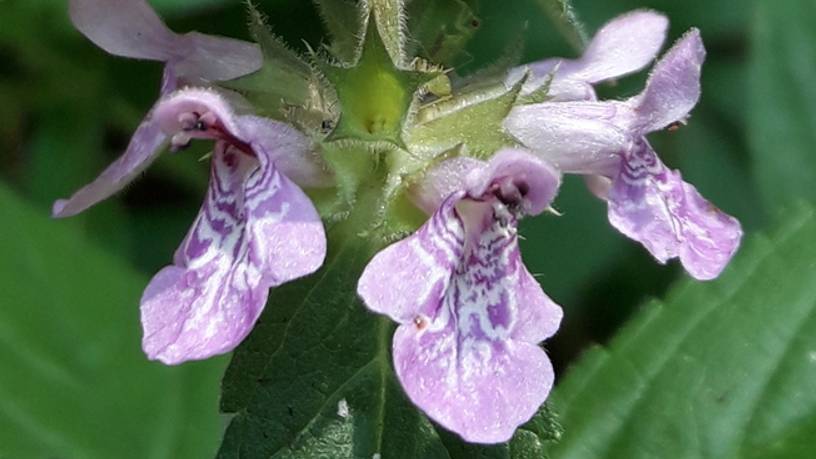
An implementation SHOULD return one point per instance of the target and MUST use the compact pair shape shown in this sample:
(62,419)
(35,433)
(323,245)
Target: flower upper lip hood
(131,28)
(471,315)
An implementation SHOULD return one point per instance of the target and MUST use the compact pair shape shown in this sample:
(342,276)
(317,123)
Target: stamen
(195,125)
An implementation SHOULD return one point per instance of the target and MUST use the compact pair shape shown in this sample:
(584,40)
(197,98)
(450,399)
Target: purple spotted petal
(256,230)
(480,390)
(673,88)
(422,263)
(131,28)
(653,205)
(471,314)
(469,356)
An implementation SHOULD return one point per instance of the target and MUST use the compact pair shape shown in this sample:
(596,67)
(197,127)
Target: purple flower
(647,201)
(624,45)
(256,228)
(130,28)
(471,315)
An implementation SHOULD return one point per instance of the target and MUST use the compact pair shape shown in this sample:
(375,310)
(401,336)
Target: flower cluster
(471,317)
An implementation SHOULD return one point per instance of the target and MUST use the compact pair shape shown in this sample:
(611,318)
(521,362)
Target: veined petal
(673,88)
(469,366)
(471,314)
(654,206)
(481,392)
(256,230)
(422,262)
(577,137)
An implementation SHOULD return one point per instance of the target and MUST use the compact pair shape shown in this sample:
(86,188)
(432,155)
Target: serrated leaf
(782,111)
(75,382)
(724,369)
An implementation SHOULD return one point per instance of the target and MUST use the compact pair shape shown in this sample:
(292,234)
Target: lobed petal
(407,279)
(256,230)
(471,314)
(673,88)
(474,366)
(654,206)
(481,394)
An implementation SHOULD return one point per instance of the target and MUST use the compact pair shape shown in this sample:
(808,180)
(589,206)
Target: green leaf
(724,369)
(75,382)
(782,113)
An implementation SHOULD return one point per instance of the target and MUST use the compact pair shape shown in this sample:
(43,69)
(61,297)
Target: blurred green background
(70,362)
